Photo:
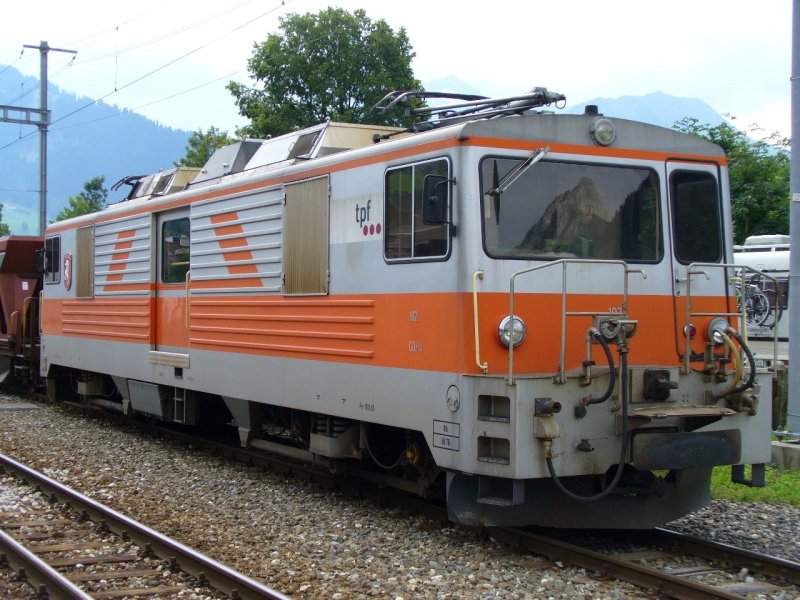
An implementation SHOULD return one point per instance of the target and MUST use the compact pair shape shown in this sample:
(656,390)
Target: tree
(331,65)
(91,199)
(201,146)
(758,173)
(4,228)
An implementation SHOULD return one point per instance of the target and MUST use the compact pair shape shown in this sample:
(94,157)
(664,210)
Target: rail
(218,575)
(564,262)
(45,579)
(741,313)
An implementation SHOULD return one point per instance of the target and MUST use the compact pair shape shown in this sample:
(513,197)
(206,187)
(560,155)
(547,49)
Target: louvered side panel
(306,227)
(122,257)
(119,319)
(236,244)
(324,327)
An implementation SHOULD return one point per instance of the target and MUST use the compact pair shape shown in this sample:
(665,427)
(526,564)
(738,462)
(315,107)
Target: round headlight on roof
(511,332)
(603,131)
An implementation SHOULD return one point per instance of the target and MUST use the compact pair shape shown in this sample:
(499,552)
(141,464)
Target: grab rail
(691,270)
(483,366)
(561,375)
(188,273)
(26,308)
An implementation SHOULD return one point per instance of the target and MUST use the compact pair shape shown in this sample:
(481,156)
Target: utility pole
(41,118)
(793,417)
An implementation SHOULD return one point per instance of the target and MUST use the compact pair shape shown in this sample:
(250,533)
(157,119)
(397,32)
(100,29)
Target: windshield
(571,210)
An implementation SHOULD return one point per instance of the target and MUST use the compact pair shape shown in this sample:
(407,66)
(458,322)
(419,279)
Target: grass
(783,487)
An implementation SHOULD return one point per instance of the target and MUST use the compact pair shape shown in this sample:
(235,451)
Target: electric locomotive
(529,313)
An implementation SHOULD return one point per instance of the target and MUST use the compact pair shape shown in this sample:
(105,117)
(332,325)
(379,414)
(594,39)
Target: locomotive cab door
(172,280)
(697,240)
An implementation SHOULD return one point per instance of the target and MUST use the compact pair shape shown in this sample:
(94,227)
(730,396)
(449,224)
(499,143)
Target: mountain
(571,215)
(97,140)
(656,108)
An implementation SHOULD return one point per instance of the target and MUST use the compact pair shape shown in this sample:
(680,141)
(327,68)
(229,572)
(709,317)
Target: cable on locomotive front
(623,363)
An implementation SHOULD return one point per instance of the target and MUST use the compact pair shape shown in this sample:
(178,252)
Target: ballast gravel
(309,542)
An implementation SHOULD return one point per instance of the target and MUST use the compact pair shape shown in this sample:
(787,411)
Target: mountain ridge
(110,141)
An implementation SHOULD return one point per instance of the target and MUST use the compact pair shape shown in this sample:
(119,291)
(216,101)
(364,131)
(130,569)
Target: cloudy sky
(171,59)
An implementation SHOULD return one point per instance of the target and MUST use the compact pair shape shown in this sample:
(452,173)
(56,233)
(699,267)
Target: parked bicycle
(758,306)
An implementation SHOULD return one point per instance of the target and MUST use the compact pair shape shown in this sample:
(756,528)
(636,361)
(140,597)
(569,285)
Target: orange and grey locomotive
(528,313)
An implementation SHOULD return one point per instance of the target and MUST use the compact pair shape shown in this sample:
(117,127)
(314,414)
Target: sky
(170,60)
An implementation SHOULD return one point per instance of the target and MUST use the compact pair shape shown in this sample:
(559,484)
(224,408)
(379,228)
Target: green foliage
(4,228)
(201,145)
(91,199)
(783,487)
(331,65)
(759,177)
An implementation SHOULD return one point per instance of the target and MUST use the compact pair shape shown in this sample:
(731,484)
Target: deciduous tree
(91,199)
(201,145)
(331,65)
(4,227)
(759,176)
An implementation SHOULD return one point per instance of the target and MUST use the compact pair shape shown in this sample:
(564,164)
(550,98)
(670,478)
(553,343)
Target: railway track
(685,567)
(743,566)
(66,545)
(662,562)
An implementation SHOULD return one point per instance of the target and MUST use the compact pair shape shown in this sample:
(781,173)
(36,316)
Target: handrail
(696,269)
(561,375)
(26,307)
(12,323)
(188,278)
(483,366)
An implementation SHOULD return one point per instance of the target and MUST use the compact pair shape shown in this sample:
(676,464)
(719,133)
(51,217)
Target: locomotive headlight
(603,131)
(511,331)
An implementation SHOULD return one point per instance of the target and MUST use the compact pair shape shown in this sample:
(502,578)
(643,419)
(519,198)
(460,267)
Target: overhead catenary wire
(117,114)
(117,52)
(167,35)
(173,61)
(77,43)
(282,4)
(141,106)
(15,61)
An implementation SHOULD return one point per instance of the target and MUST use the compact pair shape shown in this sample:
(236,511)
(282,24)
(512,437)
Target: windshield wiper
(515,173)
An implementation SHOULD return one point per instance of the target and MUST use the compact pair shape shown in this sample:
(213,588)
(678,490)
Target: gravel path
(312,543)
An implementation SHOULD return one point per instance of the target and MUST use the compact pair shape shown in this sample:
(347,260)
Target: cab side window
(52,259)
(175,250)
(406,235)
(696,216)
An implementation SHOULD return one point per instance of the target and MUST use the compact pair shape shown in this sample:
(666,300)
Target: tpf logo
(363,218)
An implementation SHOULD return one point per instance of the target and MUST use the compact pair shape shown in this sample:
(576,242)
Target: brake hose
(751,378)
(612,380)
(623,363)
(737,362)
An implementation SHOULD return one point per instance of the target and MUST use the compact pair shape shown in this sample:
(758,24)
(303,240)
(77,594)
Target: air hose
(623,362)
(737,361)
(612,380)
(377,461)
(751,378)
